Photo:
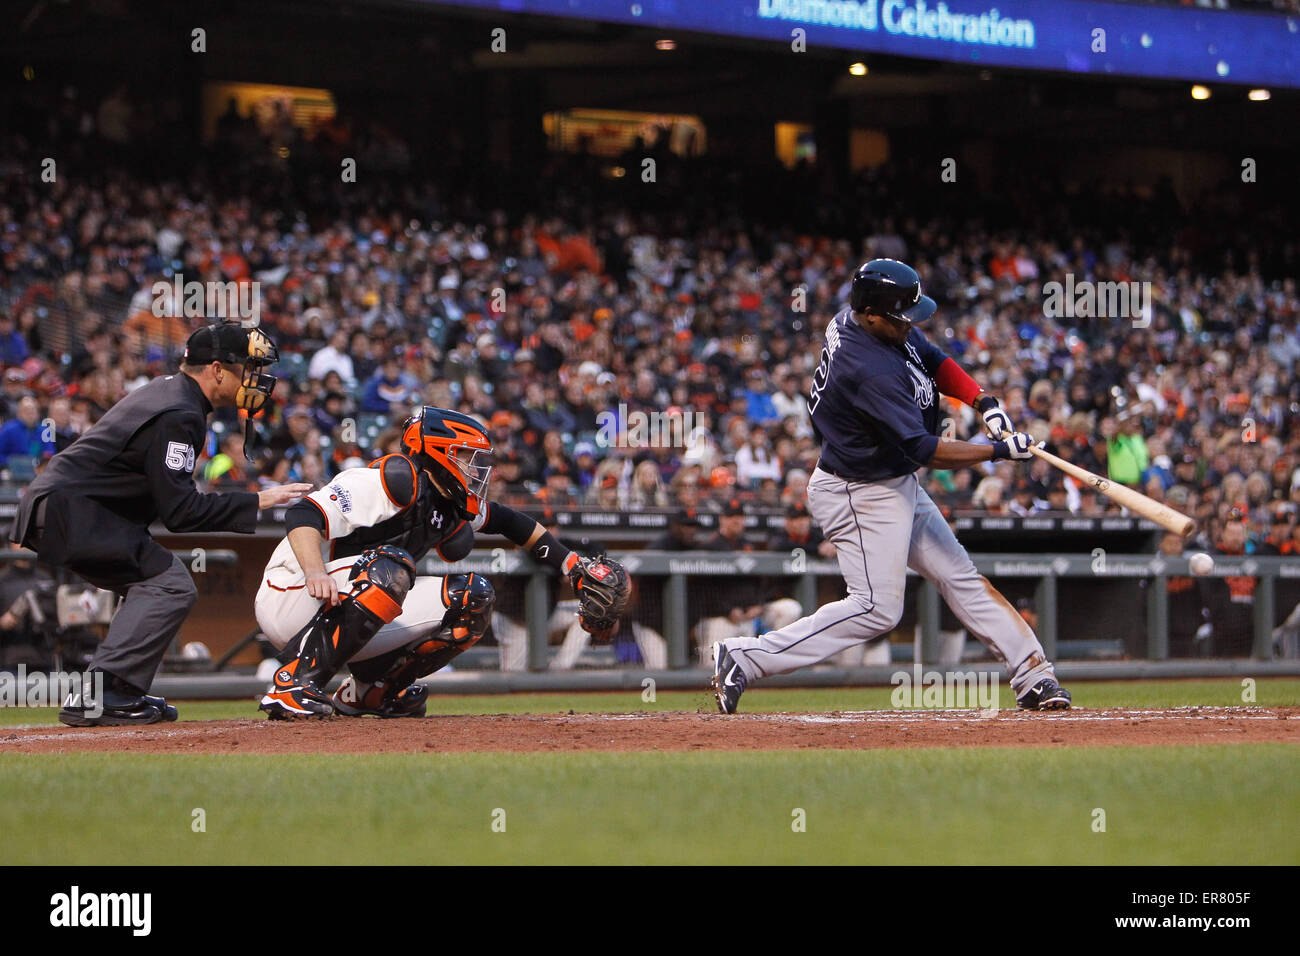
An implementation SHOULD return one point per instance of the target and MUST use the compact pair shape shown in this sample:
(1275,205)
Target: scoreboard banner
(1252,48)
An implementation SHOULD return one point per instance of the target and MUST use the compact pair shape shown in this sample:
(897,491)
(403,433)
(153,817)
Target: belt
(835,474)
(831,471)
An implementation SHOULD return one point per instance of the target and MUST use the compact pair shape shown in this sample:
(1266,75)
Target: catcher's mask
(251,349)
(256,388)
(456,452)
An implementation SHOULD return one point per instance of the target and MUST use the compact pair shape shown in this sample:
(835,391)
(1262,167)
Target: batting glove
(996,421)
(1015,447)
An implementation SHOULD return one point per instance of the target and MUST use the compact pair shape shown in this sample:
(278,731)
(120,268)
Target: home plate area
(681,731)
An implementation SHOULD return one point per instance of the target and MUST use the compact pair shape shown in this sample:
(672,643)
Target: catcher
(343,586)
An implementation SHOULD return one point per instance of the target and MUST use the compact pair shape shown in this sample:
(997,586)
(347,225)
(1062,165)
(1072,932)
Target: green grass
(1210,805)
(1206,804)
(1273,692)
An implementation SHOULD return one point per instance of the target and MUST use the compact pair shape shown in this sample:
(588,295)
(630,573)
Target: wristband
(1001,451)
(548,550)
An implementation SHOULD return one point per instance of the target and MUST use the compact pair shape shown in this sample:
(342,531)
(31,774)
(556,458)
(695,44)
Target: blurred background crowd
(556,310)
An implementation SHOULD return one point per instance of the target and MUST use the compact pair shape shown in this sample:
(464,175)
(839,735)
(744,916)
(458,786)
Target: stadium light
(665,44)
(858,69)
(1200,92)
(1259,96)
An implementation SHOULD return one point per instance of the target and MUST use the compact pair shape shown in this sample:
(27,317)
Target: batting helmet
(892,288)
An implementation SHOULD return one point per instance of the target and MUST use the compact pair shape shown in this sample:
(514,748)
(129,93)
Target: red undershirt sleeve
(953,381)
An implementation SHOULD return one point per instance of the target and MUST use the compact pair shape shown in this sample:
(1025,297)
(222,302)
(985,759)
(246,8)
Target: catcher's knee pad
(469,599)
(380,580)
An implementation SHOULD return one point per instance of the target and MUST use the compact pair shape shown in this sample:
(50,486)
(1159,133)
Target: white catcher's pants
(879,529)
(285,610)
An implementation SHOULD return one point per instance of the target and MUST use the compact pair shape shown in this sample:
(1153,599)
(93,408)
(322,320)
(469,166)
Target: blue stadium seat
(370,424)
(22,468)
(292,365)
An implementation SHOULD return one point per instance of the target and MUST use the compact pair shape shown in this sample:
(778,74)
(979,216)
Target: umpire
(90,509)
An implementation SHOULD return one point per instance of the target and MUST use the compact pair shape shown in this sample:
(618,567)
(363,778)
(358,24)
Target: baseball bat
(1134,501)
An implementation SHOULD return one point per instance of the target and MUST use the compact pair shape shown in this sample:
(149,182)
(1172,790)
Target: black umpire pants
(113,553)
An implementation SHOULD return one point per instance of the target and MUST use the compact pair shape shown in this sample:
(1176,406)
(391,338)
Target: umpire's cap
(892,288)
(231,343)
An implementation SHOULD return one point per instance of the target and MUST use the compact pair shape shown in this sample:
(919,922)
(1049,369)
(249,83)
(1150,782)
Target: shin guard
(380,581)
(385,685)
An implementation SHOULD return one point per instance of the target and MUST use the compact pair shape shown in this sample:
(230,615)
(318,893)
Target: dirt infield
(679,731)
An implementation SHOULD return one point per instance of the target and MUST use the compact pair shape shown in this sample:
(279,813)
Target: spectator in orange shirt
(577,252)
(233,264)
(1292,544)
(145,329)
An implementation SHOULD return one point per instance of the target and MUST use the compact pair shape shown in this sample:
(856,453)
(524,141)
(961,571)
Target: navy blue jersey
(875,407)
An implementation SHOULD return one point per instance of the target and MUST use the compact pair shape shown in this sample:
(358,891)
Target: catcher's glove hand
(602,586)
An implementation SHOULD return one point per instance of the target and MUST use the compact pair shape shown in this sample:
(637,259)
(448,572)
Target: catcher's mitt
(602,586)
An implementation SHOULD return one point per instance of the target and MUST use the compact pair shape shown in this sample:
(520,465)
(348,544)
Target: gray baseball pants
(879,529)
(145,625)
(112,553)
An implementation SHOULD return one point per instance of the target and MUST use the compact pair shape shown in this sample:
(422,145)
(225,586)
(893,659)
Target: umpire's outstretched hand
(282,495)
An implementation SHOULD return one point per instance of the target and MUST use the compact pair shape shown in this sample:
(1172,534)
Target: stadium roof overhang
(1072,36)
(369,50)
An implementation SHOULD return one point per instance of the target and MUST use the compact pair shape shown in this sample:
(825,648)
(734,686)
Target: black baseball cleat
(408,702)
(169,713)
(728,680)
(289,698)
(1047,694)
(118,713)
(294,701)
(122,705)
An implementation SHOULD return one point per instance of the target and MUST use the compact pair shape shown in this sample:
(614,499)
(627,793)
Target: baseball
(1201,563)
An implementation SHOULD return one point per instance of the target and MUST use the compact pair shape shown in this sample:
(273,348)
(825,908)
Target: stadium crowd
(569,312)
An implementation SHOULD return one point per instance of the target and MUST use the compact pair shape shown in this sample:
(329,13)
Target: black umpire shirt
(137,464)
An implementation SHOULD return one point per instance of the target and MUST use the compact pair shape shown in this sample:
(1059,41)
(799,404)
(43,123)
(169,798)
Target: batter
(875,411)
